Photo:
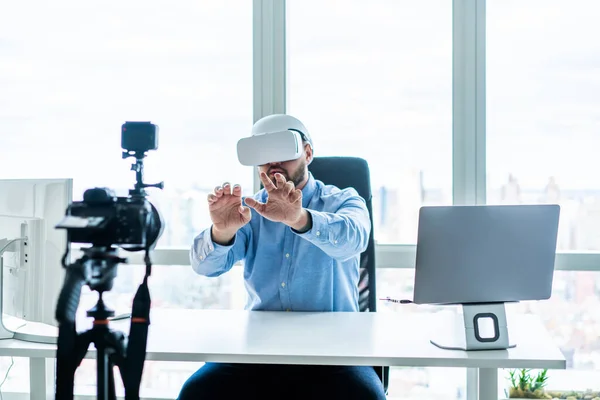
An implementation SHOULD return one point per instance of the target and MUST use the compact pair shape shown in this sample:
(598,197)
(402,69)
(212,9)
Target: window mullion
(468,116)
(269,67)
(468,102)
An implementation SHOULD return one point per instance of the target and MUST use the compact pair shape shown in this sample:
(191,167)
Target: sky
(371,79)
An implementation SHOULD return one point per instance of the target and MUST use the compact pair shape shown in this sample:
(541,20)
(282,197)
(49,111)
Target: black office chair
(354,172)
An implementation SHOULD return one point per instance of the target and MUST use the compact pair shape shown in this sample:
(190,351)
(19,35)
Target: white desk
(316,338)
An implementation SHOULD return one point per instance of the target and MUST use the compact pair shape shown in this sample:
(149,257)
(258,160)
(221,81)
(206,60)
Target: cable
(12,362)
(403,301)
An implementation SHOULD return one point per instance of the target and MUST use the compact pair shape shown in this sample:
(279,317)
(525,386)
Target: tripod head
(99,266)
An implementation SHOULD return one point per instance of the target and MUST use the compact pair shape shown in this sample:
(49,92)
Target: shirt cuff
(204,246)
(319,233)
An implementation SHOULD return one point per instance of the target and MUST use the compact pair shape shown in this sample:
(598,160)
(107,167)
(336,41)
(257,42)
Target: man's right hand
(227,212)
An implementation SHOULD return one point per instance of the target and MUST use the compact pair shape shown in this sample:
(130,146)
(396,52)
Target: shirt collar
(308,190)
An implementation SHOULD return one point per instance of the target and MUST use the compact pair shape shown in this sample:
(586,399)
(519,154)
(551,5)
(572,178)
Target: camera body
(104,219)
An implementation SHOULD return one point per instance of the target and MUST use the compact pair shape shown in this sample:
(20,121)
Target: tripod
(97,269)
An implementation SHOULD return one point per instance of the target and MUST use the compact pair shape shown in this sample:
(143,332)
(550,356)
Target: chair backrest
(345,172)
(354,172)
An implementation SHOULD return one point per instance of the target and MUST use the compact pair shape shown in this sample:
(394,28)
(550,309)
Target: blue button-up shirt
(284,270)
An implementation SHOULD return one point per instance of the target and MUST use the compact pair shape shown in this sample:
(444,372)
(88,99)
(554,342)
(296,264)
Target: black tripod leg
(65,364)
(72,348)
(108,352)
(102,368)
(112,395)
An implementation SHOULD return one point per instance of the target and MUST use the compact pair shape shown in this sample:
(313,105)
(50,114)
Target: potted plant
(524,384)
(527,385)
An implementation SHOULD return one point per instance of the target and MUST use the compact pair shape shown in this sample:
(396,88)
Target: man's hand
(226,212)
(284,203)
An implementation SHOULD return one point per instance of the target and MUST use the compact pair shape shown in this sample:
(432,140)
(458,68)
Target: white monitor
(32,271)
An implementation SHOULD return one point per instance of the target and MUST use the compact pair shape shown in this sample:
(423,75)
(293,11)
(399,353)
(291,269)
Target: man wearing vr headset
(301,241)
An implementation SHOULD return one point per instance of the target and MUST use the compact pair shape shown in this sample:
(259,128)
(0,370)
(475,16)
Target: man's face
(292,170)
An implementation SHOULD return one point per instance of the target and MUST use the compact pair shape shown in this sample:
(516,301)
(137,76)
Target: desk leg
(472,384)
(41,378)
(488,384)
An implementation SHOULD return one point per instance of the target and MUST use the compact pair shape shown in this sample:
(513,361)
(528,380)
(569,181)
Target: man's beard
(296,177)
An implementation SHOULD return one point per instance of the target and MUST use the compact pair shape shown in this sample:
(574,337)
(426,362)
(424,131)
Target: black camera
(102,219)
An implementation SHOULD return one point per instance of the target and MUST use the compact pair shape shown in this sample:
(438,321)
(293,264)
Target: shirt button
(201,258)
(335,242)
(287,255)
(210,247)
(282,284)
(318,233)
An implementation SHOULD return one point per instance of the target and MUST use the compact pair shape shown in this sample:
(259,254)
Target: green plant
(540,380)
(527,385)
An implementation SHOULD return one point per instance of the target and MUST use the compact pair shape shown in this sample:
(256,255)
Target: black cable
(12,362)
(403,301)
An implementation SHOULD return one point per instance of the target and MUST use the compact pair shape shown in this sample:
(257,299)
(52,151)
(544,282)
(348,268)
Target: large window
(374,80)
(543,97)
(72,72)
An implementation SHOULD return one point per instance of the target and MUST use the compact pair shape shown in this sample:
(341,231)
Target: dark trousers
(260,381)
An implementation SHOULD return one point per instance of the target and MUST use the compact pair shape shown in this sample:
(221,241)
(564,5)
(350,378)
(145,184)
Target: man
(301,242)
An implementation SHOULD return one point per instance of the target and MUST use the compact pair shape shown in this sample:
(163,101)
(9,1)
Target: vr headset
(270,147)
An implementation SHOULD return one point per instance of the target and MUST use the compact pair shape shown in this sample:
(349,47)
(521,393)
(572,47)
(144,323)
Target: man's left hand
(284,202)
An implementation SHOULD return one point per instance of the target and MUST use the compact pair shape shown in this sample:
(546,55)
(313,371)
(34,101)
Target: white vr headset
(270,147)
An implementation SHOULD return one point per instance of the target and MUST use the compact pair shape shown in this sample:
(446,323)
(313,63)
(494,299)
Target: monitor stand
(27,331)
(20,329)
(4,332)
(472,334)
(36,332)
